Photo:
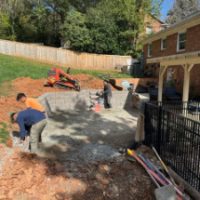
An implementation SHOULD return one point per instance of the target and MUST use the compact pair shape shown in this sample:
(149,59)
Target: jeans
(107,101)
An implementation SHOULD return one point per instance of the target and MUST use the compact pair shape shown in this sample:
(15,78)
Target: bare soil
(28,177)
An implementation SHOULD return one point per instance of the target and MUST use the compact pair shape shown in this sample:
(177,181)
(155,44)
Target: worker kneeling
(32,120)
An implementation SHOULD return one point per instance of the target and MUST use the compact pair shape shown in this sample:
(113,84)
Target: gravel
(96,152)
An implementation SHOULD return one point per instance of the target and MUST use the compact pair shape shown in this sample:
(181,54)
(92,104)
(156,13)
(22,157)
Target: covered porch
(187,61)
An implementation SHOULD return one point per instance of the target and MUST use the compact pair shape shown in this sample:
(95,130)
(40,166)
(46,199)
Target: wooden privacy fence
(59,56)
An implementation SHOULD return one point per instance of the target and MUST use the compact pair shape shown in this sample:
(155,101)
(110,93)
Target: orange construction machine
(60,79)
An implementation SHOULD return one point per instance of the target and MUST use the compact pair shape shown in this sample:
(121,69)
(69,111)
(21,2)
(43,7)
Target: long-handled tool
(112,81)
(134,155)
(163,165)
(151,176)
(166,192)
(154,168)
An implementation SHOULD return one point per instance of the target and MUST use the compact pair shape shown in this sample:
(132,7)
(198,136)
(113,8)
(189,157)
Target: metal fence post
(145,123)
(159,131)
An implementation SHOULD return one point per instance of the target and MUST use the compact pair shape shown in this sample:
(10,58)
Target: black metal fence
(177,138)
(189,109)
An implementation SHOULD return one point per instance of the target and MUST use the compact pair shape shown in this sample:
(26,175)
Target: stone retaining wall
(64,101)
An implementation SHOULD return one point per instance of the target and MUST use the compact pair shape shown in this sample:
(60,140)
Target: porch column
(186,85)
(160,84)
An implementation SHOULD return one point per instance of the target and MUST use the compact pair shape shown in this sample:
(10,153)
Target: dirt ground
(26,176)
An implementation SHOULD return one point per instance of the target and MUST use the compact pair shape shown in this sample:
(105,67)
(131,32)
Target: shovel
(164,192)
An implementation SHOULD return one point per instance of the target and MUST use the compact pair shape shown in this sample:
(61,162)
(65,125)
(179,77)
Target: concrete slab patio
(72,127)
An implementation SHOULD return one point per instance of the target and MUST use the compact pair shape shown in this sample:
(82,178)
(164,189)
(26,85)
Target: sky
(166,6)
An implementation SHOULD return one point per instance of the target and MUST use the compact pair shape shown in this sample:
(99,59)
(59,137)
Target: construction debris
(167,190)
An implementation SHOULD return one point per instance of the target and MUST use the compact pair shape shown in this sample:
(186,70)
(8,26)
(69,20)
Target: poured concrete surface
(70,130)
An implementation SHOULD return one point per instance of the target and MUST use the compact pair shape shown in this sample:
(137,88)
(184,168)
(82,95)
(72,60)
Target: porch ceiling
(179,59)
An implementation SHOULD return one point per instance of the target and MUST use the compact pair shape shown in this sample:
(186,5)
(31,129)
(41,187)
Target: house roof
(157,19)
(188,22)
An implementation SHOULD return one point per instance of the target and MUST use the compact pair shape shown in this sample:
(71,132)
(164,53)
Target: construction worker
(30,102)
(107,94)
(34,119)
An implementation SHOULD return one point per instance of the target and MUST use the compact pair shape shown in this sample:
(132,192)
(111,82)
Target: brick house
(170,125)
(177,48)
(153,25)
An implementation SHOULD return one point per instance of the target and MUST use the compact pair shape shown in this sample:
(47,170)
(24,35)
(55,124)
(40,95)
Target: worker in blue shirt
(34,119)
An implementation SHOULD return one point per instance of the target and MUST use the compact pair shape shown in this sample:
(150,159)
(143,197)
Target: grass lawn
(3,133)
(14,67)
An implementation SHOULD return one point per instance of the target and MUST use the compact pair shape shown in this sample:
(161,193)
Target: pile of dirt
(30,86)
(26,176)
(36,88)
(89,82)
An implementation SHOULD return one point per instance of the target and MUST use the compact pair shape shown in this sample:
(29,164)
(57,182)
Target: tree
(116,25)
(155,6)
(97,26)
(131,23)
(101,22)
(36,20)
(181,9)
(75,32)
(83,5)
(56,12)
(18,16)
(104,26)
(5,27)
(12,9)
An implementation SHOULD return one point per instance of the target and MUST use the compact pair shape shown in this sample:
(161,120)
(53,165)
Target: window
(163,44)
(149,30)
(181,42)
(149,53)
